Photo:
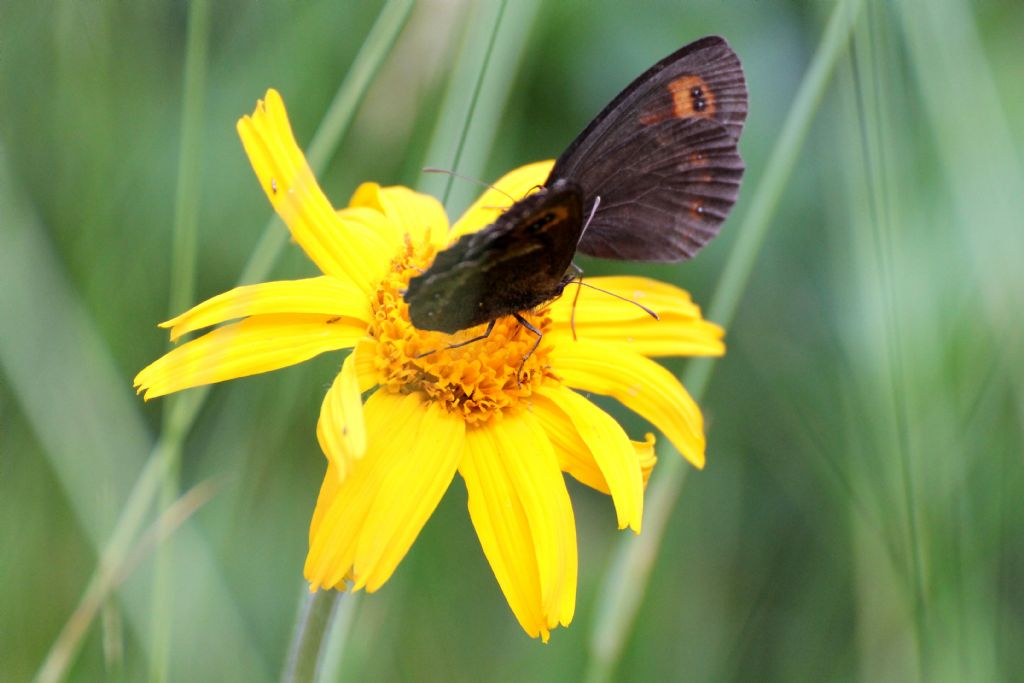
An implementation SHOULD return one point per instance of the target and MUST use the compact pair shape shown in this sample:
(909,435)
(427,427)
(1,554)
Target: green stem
(315,618)
(334,124)
(183,266)
(629,573)
(473,100)
(181,413)
(186,205)
(881,206)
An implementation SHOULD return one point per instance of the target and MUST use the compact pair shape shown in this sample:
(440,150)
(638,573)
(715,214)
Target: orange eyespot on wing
(688,96)
(691,96)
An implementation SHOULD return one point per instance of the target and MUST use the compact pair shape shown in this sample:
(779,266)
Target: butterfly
(652,178)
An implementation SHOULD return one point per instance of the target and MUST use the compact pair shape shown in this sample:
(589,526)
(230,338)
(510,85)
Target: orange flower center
(478,380)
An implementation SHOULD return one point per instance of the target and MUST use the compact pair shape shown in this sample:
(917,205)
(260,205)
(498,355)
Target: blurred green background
(860,517)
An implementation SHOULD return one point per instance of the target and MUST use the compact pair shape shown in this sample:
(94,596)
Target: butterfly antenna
(578,278)
(597,203)
(468,179)
(580,283)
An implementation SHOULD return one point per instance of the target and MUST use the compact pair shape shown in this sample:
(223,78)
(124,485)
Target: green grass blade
(475,102)
(333,126)
(183,267)
(82,410)
(629,572)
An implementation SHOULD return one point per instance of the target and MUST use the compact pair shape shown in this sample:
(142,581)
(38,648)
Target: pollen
(478,381)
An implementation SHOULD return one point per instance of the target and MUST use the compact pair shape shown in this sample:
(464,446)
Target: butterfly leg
(485,335)
(540,335)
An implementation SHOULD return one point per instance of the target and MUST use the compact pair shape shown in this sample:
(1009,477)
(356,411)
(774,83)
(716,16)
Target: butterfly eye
(539,224)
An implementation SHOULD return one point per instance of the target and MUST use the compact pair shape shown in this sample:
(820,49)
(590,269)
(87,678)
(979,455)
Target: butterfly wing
(662,157)
(664,191)
(512,265)
(667,91)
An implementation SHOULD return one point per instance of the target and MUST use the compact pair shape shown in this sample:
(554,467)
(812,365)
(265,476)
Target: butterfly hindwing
(665,191)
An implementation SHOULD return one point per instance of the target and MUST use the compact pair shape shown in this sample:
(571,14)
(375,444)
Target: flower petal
(325,295)
(512,187)
(419,215)
(605,443)
(638,383)
(365,353)
(340,429)
(364,526)
(375,222)
(257,344)
(338,247)
(574,456)
(679,331)
(521,511)
(414,486)
(645,455)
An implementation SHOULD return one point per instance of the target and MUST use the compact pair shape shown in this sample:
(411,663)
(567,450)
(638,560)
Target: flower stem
(627,577)
(315,617)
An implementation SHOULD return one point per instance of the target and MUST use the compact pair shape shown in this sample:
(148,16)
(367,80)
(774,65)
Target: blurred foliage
(860,516)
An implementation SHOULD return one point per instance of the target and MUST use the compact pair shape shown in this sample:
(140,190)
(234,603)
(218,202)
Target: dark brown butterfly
(652,178)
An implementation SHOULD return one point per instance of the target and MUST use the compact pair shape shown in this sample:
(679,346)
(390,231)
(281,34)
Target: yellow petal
(645,455)
(574,456)
(325,295)
(418,476)
(364,525)
(606,446)
(522,515)
(375,222)
(340,429)
(679,331)
(328,492)
(638,383)
(338,247)
(512,187)
(257,344)
(365,353)
(419,215)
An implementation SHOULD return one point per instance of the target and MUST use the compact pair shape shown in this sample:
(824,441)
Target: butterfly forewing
(662,157)
(701,80)
(518,262)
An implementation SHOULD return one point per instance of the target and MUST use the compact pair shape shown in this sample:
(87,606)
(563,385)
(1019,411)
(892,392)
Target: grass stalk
(182,412)
(334,125)
(474,98)
(183,266)
(629,572)
(872,91)
(116,566)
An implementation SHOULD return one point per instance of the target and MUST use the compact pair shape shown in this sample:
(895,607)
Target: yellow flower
(392,454)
